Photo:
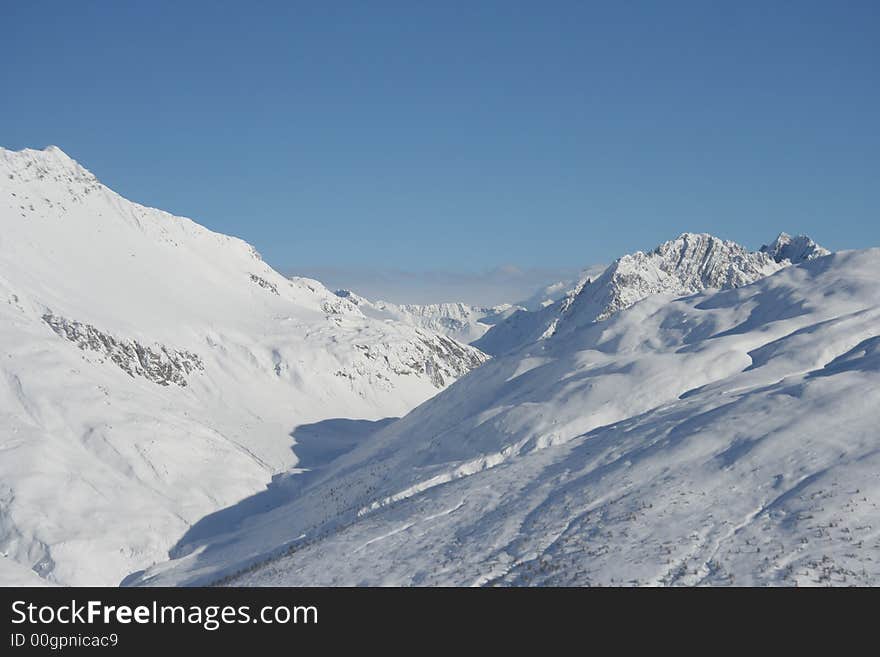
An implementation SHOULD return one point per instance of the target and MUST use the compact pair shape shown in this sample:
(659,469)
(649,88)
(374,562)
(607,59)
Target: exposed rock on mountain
(160,365)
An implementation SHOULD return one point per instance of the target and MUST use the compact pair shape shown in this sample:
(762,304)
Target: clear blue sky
(460,136)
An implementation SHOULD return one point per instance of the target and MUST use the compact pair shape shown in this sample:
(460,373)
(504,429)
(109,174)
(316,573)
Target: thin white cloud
(504,284)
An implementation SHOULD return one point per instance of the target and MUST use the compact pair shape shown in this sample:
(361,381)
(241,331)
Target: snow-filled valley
(175,412)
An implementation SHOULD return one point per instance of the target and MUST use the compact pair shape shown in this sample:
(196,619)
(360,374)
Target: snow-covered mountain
(686,265)
(173,411)
(153,371)
(727,437)
(461,321)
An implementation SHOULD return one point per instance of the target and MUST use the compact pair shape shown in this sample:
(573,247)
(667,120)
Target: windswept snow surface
(723,438)
(153,371)
(686,265)
(461,321)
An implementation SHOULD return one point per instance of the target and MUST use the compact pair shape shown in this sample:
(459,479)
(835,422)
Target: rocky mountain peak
(797,249)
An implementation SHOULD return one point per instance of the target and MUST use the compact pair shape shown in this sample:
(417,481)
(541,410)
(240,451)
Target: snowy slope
(686,265)
(725,437)
(461,321)
(153,371)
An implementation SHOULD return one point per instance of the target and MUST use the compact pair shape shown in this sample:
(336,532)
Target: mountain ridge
(685,265)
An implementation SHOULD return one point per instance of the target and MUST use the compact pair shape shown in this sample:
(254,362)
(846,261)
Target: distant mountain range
(461,321)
